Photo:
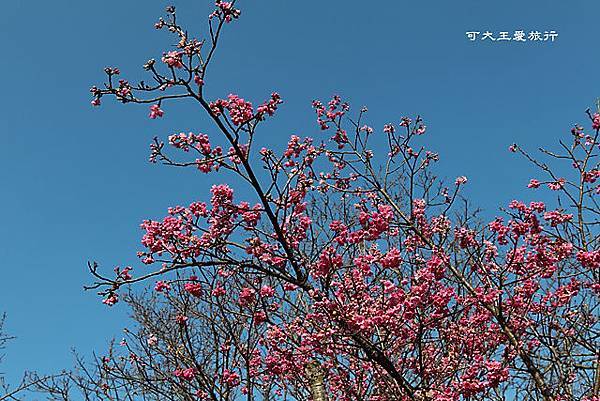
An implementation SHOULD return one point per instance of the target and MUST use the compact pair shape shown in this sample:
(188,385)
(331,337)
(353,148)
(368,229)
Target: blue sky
(76,182)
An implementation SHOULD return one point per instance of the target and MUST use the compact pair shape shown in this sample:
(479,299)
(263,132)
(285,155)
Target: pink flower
(251,216)
(193,288)
(555,217)
(392,259)
(420,130)
(185,374)
(460,180)
(405,121)
(218,291)
(270,106)
(589,259)
(112,71)
(123,274)
(231,378)
(96,102)
(240,110)
(557,185)
(328,260)
(260,317)
(596,121)
(246,296)
(496,373)
(173,59)
(226,9)
(162,286)
(533,183)
(112,299)
(266,291)
(591,176)
(155,111)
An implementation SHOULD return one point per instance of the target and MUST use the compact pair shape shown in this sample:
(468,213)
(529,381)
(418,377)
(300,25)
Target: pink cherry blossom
(155,111)
(185,374)
(596,121)
(231,378)
(162,286)
(267,291)
(194,288)
(173,59)
(461,180)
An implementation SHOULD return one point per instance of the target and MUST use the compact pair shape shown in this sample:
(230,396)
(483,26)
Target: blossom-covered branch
(351,271)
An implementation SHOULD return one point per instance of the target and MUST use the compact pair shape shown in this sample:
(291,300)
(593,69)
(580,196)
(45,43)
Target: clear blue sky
(75,181)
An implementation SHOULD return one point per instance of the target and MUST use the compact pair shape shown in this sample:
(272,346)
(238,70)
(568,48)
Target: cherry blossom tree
(347,272)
